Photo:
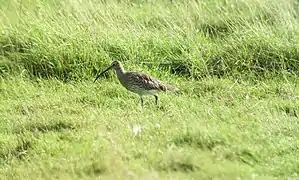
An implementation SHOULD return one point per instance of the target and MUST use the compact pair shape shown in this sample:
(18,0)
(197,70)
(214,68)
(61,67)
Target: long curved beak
(102,73)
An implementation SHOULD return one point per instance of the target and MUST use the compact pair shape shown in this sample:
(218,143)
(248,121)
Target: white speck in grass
(26,110)
(131,174)
(158,125)
(247,96)
(253,176)
(3,32)
(136,129)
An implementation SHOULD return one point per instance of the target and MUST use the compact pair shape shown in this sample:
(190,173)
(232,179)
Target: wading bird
(138,82)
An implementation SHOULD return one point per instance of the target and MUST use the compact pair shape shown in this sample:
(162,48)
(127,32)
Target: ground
(216,128)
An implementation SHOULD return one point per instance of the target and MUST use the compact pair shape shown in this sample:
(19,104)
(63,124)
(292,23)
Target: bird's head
(116,65)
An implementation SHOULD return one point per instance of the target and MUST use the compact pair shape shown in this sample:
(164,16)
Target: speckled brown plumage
(139,83)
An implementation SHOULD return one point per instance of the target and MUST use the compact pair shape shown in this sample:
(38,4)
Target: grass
(236,63)
(197,39)
(223,129)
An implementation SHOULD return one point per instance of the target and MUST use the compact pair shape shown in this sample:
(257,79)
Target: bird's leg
(156,98)
(141,99)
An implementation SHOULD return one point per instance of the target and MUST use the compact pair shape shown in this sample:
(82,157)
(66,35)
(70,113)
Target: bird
(138,82)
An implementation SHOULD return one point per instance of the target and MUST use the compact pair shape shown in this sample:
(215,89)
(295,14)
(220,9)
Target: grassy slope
(218,128)
(73,40)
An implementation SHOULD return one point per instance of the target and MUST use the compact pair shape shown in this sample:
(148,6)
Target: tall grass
(73,39)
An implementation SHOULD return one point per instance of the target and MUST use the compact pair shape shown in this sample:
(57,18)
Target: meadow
(236,63)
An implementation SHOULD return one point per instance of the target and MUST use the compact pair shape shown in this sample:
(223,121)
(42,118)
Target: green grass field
(235,62)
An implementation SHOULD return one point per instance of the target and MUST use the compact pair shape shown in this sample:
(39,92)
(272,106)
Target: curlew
(139,83)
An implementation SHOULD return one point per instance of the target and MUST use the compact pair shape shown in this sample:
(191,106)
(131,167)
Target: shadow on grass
(199,140)
(206,142)
(96,168)
(215,30)
(19,152)
(44,128)
(178,166)
(289,110)
(244,156)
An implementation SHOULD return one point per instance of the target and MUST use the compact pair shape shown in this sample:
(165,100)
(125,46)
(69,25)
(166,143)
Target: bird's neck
(120,72)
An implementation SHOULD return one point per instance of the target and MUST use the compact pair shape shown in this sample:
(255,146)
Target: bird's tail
(171,88)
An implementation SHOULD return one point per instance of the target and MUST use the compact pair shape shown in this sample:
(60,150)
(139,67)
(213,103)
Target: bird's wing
(146,81)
